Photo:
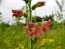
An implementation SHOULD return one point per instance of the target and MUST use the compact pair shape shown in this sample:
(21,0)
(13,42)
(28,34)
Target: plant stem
(30,11)
(31,44)
(27,20)
(30,19)
(30,16)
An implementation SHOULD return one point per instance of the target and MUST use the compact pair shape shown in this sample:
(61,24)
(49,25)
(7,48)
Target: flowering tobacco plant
(33,29)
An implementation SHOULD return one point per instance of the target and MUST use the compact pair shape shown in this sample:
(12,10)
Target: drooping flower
(45,25)
(38,4)
(17,13)
(33,30)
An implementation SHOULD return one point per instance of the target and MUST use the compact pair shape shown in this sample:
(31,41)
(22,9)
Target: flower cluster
(17,13)
(33,29)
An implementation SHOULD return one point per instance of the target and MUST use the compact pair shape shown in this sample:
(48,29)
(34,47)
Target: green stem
(27,8)
(35,16)
(27,20)
(17,21)
(12,20)
(31,44)
(30,14)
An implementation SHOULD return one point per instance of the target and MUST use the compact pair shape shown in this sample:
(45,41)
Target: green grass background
(13,37)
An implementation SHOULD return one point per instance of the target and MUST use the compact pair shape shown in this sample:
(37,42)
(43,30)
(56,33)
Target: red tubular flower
(45,25)
(33,29)
(39,4)
(17,13)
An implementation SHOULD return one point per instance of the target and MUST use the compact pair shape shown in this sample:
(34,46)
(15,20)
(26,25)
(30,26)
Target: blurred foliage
(46,18)
(0,13)
(63,22)
(25,15)
(54,25)
(59,13)
(13,37)
(36,19)
(4,24)
(34,7)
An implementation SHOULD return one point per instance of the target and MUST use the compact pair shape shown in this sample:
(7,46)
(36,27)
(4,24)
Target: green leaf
(26,1)
(59,5)
(25,15)
(34,7)
(19,19)
(59,15)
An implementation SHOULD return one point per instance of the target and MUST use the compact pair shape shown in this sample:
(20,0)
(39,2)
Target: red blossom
(46,25)
(33,29)
(17,13)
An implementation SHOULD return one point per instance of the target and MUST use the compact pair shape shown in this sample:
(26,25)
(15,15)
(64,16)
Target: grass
(13,37)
